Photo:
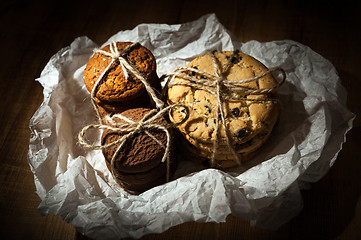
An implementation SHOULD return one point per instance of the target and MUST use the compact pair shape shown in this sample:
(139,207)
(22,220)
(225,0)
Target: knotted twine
(129,127)
(127,67)
(220,87)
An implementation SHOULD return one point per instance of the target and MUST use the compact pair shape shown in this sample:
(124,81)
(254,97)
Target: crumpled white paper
(77,185)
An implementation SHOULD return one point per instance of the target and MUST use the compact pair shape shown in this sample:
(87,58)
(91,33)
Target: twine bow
(127,67)
(219,86)
(130,128)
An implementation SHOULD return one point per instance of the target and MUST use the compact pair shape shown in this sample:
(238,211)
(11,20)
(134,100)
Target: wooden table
(32,32)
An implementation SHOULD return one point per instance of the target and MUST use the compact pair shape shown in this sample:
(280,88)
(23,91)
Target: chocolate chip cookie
(250,114)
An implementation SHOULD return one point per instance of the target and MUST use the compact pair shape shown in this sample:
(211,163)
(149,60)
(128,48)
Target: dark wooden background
(31,32)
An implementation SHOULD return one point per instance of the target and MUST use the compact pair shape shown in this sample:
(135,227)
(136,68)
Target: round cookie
(109,108)
(142,181)
(116,87)
(192,153)
(201,152)
(245,119)
(139,163)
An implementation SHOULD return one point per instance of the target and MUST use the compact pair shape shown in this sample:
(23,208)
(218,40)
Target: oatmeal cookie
(116,86)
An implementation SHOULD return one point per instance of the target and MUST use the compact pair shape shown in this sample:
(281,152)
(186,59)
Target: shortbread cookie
(247,114)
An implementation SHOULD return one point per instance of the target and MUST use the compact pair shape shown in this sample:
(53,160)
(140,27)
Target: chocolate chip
(234,60)
(193,73)
(209,109)
(241,133)
(235,112)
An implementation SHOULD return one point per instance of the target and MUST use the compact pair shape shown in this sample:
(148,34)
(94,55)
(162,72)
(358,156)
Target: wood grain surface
(31,32)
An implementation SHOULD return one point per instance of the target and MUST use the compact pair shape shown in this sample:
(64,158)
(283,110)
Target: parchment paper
(77,185)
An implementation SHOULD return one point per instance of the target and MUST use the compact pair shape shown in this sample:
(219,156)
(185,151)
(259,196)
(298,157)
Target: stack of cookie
(138,165)
(120,89)
(249,111)
(228,109)
(123,83)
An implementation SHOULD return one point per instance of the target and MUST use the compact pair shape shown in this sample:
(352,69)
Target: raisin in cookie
(249,115)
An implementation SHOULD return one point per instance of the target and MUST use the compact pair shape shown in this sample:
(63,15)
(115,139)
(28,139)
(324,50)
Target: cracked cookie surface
(246,120)
(116,87)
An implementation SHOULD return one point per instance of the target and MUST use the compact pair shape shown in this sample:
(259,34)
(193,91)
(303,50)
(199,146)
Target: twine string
(218,86)
(220,110)
(128,127)
(117,57)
